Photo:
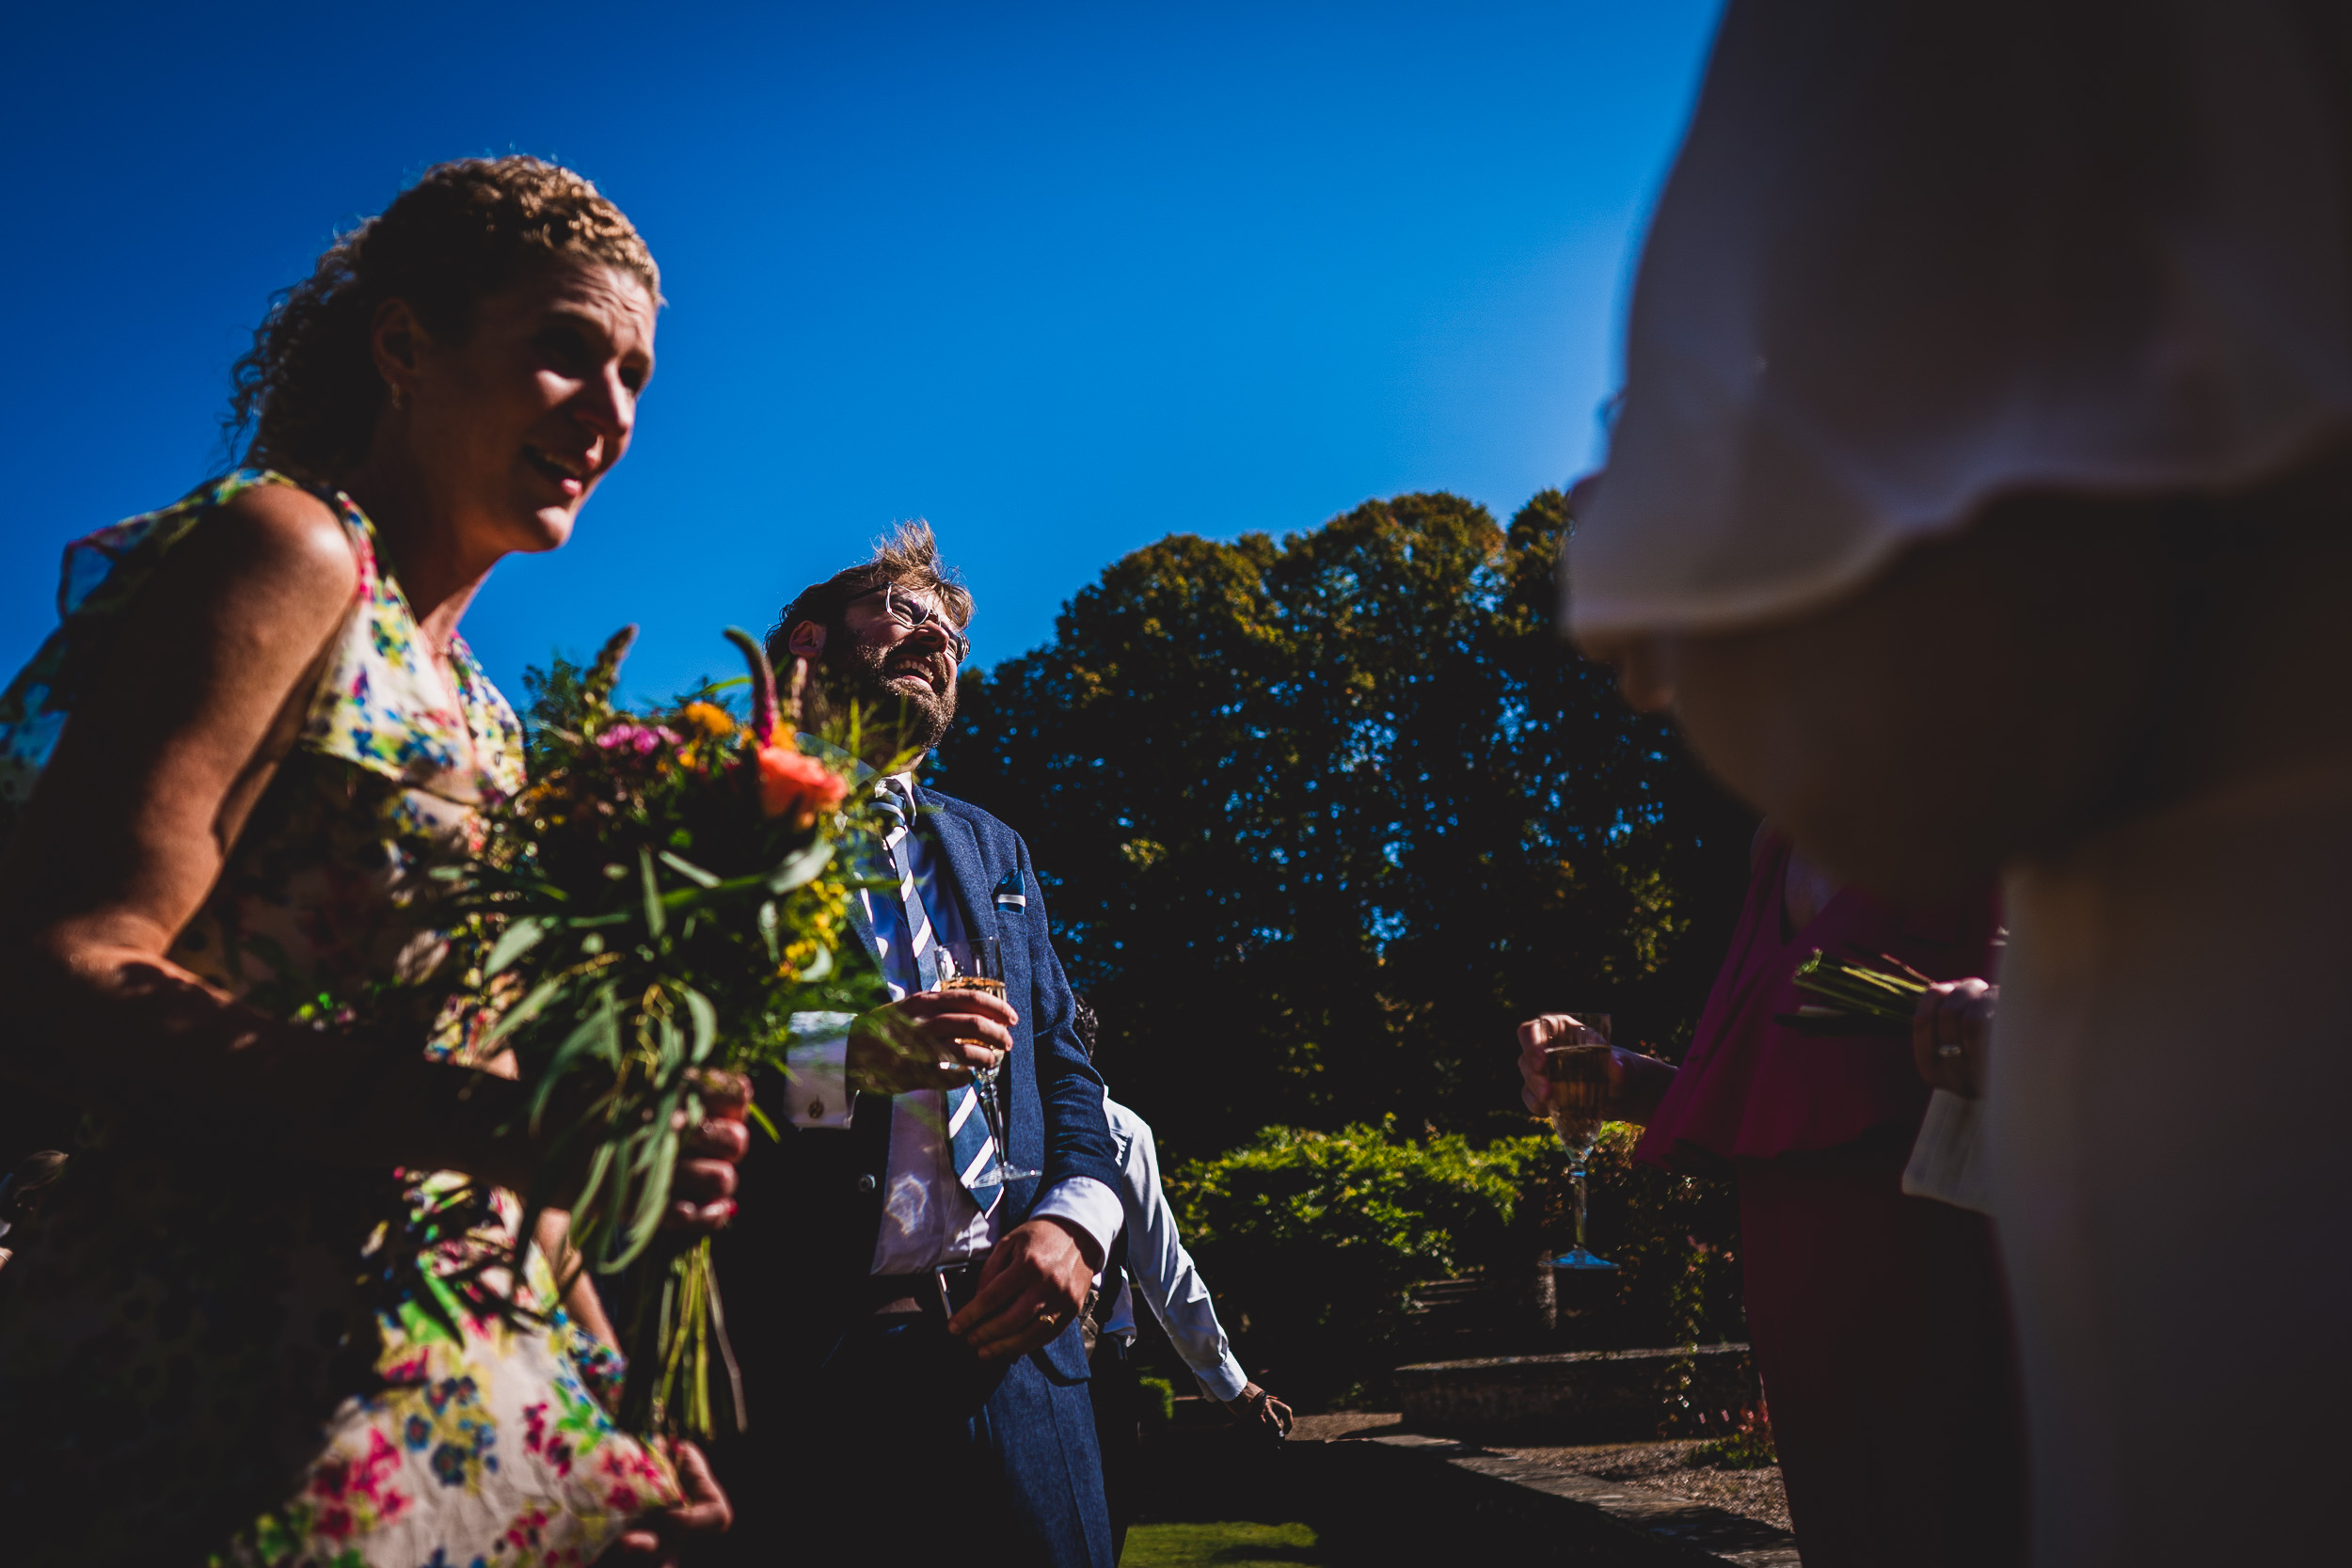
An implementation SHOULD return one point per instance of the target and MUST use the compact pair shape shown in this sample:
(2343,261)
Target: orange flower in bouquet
(799,786)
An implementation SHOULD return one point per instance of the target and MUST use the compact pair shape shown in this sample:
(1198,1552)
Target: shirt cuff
(1087,1204)
(1224,1381)
(816,1071)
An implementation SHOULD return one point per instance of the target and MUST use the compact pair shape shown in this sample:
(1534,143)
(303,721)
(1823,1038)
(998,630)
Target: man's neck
(868,770)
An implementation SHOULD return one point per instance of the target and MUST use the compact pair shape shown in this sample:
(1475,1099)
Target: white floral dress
(198,1358)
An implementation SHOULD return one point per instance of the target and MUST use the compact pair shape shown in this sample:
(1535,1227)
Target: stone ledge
(1576,1397)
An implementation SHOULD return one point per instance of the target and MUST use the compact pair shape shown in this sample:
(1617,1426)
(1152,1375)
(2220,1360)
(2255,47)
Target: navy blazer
(793,1265)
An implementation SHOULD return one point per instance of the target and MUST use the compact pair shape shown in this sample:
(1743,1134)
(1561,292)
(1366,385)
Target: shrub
(1156,1398)
(1313,1238)
(1312,1242)
(1675,1240)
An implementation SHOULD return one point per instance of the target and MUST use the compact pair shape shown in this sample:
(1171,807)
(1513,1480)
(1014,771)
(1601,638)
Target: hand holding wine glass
(1636,1082)
(1577,1076)
(978,965)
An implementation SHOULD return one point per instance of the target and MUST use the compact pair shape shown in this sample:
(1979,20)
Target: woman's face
(511,428)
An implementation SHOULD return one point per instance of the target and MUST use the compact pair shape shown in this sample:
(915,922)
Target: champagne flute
(979,964)
(1577,1068)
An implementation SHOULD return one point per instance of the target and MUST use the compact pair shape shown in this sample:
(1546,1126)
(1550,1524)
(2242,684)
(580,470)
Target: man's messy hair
(908,558)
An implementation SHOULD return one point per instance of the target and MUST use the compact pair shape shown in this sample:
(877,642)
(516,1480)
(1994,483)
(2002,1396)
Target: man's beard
(899,718)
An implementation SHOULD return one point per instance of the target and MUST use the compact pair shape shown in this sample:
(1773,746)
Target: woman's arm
(171,743)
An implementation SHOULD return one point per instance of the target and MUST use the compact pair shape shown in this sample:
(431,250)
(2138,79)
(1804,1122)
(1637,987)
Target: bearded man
(908,1322)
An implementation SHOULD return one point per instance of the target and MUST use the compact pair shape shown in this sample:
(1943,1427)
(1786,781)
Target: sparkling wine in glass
(1577,1067)
(979,964)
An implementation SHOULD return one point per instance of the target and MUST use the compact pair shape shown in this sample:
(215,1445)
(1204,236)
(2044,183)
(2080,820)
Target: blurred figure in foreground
(1980,498)
(1878,1320)
(1150,1260)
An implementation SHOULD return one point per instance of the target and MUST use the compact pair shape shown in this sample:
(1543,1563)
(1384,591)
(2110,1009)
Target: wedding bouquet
(1854,999)
(643,920)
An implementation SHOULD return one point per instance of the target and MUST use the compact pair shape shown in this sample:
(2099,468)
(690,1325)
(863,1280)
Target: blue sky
(1061,279)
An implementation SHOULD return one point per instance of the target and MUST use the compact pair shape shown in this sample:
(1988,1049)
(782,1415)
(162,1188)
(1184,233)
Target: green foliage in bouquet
(645,918)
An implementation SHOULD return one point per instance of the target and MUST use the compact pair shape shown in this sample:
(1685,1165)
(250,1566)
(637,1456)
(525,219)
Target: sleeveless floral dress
(191,1370)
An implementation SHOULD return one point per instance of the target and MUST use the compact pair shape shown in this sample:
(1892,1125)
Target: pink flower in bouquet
(642,739)
(789,781)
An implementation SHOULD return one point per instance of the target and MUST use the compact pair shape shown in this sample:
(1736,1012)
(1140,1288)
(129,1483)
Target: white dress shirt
(1161,1270)
(929,1218)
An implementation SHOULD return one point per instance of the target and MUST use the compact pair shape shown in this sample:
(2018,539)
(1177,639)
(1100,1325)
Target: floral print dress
(193,1365)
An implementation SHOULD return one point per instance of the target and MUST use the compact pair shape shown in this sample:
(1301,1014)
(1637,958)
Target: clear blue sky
(1062,279)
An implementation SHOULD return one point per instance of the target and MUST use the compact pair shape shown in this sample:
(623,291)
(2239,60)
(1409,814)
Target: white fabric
(1915,256)
(929,1218)
(1161,1270)
(2162,1130)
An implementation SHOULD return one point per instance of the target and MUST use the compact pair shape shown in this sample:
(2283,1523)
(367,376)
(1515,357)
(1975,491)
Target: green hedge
(1312,1242)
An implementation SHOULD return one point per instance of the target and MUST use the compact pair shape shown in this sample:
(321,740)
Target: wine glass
(1577,1067)
(979,964)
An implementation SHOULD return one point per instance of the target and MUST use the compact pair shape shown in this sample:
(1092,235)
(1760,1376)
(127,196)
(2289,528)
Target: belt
(939,1294)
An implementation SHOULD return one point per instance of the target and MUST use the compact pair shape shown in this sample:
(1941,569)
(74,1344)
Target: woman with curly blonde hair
(224,782)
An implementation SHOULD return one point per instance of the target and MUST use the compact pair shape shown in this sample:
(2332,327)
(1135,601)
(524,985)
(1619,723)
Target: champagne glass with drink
(979,964)
(1577,1067)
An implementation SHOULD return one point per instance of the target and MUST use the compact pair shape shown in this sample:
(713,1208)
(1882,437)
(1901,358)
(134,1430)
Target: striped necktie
(969,1141)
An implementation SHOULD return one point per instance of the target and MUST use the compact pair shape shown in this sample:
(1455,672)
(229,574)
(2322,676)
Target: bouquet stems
(1854,999)
(678,1330)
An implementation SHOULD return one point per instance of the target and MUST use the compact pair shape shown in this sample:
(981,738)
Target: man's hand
(1950,1031)
(1033,1284)
(1255,1408)
(655,1541)
(927,1041)
(1636,1082)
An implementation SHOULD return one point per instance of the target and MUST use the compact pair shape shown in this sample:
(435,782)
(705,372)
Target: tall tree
(1319,820)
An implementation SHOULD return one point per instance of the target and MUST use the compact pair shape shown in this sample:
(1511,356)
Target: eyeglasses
(913,614)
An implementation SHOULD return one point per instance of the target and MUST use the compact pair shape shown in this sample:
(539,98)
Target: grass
(1218,1545)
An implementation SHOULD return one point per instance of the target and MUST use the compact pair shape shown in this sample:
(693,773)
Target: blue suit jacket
(793,1266)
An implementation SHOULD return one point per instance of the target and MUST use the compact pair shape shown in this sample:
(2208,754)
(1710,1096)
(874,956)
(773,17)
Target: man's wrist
(1088,1248)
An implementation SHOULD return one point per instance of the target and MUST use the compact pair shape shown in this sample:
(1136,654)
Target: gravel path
(1659,1468)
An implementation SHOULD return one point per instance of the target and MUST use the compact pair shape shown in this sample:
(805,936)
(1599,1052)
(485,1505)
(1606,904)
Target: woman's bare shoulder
(287,534)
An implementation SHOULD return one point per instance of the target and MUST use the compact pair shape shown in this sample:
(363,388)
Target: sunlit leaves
(1350,793)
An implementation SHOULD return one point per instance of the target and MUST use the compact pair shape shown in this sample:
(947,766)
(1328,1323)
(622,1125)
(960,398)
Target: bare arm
(171,744)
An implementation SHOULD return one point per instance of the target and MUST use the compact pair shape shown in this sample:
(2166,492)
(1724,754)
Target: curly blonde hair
(307,391)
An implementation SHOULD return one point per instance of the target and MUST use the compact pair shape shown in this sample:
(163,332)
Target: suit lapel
(961,848)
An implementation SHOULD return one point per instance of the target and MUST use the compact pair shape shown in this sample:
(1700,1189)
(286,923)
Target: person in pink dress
(1878,1319)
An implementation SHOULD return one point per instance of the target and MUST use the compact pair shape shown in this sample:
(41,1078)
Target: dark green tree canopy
(1319,820)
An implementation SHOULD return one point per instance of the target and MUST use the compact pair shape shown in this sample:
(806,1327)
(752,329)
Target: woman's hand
(1949,1032)
(702,1191)
(1636,1082)
(658,1538)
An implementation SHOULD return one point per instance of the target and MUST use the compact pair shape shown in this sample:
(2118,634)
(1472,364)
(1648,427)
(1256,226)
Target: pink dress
(1879,1323)
(1752,1089)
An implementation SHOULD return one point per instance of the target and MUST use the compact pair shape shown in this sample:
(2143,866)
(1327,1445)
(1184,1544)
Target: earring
(400,399)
